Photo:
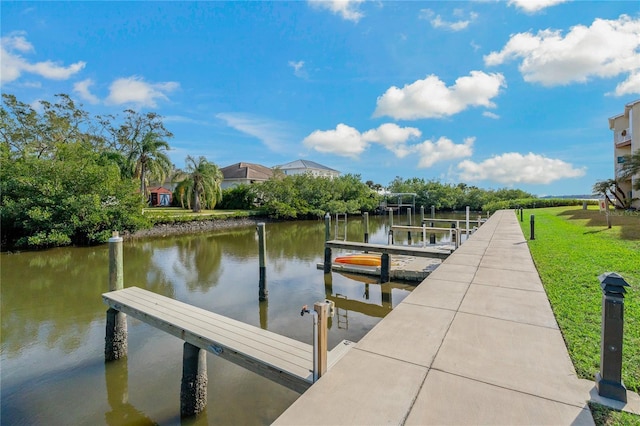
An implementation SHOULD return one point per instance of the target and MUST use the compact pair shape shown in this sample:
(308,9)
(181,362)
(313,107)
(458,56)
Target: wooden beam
(401,250)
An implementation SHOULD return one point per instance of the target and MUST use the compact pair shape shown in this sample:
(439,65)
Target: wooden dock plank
(214,326)
(213,322)
(276,357)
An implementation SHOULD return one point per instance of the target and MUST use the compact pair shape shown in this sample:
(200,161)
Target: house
(301,167)
(244,173)
(626,140)
(159,196)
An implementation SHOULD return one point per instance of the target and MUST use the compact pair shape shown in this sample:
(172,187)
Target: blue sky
(491,93)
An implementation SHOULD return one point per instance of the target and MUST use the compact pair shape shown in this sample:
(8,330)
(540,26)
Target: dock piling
(327,260)
(263,293)
(193,388)
(327,227)
(409,213)
(115,342)
(322,309)
(366,227)
(385,268)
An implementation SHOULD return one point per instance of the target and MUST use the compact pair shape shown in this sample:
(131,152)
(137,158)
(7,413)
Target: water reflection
(53,322)
(116,376)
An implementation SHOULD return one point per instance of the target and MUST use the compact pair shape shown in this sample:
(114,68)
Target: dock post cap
(115,237)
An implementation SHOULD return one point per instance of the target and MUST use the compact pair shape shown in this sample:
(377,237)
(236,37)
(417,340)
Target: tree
(610,186)
(631,167)
(201,184)
(148,160)
(132,131)
(77,197)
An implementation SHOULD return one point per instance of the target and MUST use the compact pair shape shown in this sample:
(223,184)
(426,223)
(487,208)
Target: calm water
(53,323)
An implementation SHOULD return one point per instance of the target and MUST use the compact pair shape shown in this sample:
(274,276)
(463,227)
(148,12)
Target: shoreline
(196,226)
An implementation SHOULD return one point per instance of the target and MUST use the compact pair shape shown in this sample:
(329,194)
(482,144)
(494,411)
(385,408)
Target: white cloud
(431,98)
(12,64)
(393,137)
(515,168)
(443,149)
(272,133)
(630,86)
(298,69)
(16,41)
(344,140)
(437,21)
(606,49)
(136,91)
(532,6)
(82,89)
(490,114)
(347,141)
(348,9)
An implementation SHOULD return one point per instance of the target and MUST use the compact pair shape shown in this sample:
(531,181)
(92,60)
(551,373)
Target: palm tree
(631,167)
(609,186)
(201,185)
(148,160)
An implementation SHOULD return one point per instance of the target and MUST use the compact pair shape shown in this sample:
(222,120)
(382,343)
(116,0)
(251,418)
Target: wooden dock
(437,253)
(278,358)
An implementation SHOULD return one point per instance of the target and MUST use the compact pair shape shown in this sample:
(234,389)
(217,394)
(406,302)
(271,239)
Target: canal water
(53,323)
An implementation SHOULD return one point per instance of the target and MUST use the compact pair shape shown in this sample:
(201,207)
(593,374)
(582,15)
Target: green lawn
(572,247)
(177,214)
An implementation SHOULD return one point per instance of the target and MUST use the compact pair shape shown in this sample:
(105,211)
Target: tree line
(71,178)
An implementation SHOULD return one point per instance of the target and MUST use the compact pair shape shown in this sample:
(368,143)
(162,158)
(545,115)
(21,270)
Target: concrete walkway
(474,343)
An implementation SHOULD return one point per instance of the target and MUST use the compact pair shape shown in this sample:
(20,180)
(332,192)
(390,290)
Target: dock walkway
(278,358)
(475,343)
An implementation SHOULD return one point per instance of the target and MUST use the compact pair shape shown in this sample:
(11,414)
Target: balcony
(622,137)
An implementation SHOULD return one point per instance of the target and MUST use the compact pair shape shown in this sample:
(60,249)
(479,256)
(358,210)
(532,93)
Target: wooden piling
(390,218)
(385,268)
(327,227)
(263,293)
(115,341)
(193,389)
(432,236)
(327,260)
(322,309)
(409,213)
(366,227)
(116,279)
(263,306)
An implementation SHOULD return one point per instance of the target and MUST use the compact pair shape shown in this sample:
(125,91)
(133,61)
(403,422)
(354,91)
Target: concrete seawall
(475,343)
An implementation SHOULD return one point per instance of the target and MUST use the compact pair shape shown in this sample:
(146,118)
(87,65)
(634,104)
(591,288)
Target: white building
(626,140)
(301,167)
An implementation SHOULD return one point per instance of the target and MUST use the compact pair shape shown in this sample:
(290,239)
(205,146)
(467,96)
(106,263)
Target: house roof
(159,189)
(305,164)
(247,171)
(627,108)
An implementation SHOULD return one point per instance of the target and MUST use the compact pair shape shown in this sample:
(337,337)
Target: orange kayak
(366,259)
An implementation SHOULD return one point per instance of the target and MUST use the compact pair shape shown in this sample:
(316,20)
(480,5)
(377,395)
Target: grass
(572,247)
(604,416)
(177,214)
